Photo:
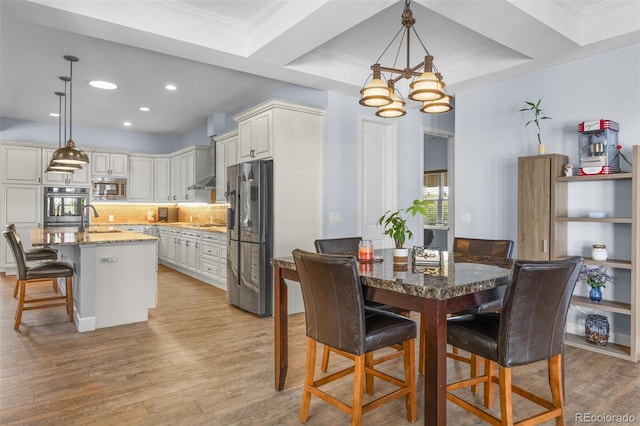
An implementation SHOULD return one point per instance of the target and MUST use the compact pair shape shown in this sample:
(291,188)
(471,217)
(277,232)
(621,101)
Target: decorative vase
(401,256)
(599,252)
(542,149)
(595,294)
(596,329)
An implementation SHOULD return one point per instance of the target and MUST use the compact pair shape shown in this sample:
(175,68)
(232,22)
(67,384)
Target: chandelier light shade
(69,154)
(60,167)
(427,86)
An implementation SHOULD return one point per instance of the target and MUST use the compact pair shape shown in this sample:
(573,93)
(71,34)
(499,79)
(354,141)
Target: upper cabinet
(140,186)
(106,164)
(162,179)
(79,177)
(226,155)
(255,136)
(21,164)
(187,168)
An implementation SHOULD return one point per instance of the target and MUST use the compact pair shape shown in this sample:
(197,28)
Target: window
(436,190)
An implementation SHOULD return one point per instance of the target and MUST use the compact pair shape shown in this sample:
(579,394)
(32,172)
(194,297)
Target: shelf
(612,349)
(605,305)
(588,178)
(612,263)
(591,219)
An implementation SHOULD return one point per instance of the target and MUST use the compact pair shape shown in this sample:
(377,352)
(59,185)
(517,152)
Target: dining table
(455,283)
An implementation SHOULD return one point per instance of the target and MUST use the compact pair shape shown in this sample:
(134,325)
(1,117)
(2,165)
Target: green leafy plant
(537,115)
(595,277)
(395,223)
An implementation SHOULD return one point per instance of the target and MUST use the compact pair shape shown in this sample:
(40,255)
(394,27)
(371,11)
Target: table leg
(280,328)
(435,378)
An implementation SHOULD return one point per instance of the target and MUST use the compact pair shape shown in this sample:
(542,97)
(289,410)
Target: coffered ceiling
(223,54)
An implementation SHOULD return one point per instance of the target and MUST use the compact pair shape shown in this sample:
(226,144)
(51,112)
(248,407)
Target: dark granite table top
(457,275)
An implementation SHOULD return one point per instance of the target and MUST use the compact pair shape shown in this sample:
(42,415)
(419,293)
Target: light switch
(335,217)
(465,217)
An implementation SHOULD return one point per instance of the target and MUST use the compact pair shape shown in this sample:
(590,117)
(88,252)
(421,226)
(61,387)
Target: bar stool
(41,272)
(530,328)
(33,255)
(335,315)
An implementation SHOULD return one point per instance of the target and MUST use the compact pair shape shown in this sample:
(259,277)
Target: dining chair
(41,272)
(349,246)
(482,247)
(33,255)
(528,329)
(336,316)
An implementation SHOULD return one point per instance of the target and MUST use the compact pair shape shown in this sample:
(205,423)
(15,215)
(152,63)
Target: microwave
(109,189)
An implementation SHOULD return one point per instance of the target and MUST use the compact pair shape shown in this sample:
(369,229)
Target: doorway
(437,188)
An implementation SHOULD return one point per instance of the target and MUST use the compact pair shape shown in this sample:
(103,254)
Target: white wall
(490,133)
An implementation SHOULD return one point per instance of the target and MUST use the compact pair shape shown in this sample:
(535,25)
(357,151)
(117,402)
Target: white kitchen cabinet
(226,155)
(141,179)
(79,177)
(162,179)
(187,168)
(21,164)
(109,164)
(188,250)
(168,243)
(22,206)
(254,135)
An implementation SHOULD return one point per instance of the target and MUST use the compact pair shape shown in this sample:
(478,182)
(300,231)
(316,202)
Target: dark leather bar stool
(336,316)
(530,328)
(493,248)
(33,254)
(349,246)
(38,273)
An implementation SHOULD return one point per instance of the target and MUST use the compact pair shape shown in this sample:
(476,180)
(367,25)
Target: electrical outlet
(465,217)
(110,218)
(335,217)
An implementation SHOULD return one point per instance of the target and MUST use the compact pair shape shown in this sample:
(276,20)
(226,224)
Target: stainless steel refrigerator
(250,236)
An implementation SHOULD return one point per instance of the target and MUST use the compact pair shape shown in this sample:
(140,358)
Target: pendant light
(61,167)
(69,154)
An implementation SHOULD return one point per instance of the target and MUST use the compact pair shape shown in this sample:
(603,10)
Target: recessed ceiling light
(145,109)
(106,85)
(54,114)
(171,87)
(126,123)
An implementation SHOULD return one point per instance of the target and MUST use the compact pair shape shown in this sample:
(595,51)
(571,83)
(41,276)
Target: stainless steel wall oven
(63,205)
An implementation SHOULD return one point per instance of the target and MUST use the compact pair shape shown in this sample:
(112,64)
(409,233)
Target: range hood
(213,122)
(207,183)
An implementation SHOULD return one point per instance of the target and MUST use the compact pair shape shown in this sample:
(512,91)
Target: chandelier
(427,86)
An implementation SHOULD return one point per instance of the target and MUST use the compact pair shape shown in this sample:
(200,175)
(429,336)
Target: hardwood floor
(200,361)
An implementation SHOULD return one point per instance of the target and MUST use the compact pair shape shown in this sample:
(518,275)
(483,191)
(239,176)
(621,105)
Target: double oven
(63,205)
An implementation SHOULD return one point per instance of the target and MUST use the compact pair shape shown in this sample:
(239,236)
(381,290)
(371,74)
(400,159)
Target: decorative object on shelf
(69,154)
(535,109)
(596,329)
(427,88)
(599,252)
(395,226)
(568,170)
(597,215)
(595,277)
(598,147)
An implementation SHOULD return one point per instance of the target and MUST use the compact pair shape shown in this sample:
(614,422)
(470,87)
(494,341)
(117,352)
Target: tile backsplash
(139,213)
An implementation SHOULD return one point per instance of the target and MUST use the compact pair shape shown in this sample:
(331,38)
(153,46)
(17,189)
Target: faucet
(95,214)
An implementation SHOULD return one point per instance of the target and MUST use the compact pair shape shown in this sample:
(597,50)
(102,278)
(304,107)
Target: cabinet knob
(174,197)
(186,197)
(187,243)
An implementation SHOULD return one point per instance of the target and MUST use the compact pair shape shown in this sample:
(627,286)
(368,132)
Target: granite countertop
(55,236)
(208,227)
(458,274)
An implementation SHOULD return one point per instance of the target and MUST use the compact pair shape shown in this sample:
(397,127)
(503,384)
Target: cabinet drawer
(210,269)
(210,251)
(190,234)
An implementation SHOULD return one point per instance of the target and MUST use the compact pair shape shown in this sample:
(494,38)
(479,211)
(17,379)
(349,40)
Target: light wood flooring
(200,361)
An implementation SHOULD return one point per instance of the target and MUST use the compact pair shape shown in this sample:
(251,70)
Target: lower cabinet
(202,255)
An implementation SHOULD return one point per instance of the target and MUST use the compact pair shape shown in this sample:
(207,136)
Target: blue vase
(595,294)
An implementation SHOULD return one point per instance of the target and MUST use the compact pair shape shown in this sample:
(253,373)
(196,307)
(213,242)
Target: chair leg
(506,396)
(69,289)
(358,390)
(325,359)
(368,378)
(410,379)
(15,290)
(22,285)
(557,394)
(475,368)
(308,379)
(421,357)
(488,385)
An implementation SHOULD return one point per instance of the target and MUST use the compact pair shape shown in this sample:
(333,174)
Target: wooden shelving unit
(543,220)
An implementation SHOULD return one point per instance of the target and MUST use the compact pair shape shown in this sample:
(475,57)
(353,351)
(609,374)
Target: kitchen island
(115,280)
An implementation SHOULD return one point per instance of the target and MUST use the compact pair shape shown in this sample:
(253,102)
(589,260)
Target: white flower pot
(401,255)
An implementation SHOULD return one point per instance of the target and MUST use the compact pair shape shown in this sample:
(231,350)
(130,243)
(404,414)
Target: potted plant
(536,110)
(595,277)
(395,226)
